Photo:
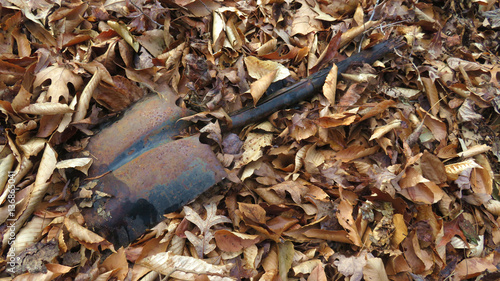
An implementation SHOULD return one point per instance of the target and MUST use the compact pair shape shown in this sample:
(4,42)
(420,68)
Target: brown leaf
(253,212)
(379,108)
(347,221)
(231,241)
(432,168)
(87,238)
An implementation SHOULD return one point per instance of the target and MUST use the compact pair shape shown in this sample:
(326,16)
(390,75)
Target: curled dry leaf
(382,130)
(259,68)
(259,87)
(87,238)
(46,108)
(167,263)
(125,34)
(454,170)
(330,86)
(81,164)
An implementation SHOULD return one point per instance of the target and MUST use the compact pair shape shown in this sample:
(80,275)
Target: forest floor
(391,172)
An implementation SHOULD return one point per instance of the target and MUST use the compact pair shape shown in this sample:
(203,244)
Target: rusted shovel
(142,173)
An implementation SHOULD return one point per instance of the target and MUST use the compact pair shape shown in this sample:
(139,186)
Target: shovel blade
(147,173)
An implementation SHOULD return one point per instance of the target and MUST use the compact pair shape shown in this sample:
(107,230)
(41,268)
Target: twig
(371,18)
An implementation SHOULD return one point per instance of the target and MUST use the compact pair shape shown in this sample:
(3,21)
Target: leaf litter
(390,173)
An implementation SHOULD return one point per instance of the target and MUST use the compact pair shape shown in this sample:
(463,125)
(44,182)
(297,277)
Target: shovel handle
(307,87)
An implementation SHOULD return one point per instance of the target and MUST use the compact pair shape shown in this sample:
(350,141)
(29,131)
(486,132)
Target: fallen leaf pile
(389,173)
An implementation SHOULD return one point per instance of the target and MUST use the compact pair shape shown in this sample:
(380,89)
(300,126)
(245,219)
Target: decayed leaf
(352,266)
(348,223)
(285,256)
(454,170)
(167,263)
(252,148)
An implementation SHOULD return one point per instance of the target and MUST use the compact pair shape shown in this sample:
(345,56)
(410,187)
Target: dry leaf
(60,76)
(259,87)
(167,263)
(259,68)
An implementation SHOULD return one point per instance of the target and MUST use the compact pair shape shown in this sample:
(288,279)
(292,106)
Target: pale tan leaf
(81,164)
(259,87)
(104,276)
(46,108)
(166,263)
(38,189)
(352,33)
(259,68)
(59,76)
(493,206)
(66,120)
(472,267)
(250,255)
(252,148)
(330,86)
(6,165)
(400,229)
(475,150)
(88,91)
(359,78)
(202,242)
(58,268)
(33,147)
(306,267)
(454,170)
(30,233)
(177,245)
(382,130)
(374,270)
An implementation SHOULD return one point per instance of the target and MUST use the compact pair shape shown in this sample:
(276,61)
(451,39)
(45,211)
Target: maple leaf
(451,229)
(202,242)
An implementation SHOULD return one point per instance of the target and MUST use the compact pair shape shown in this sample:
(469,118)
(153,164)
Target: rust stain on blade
(149,174)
